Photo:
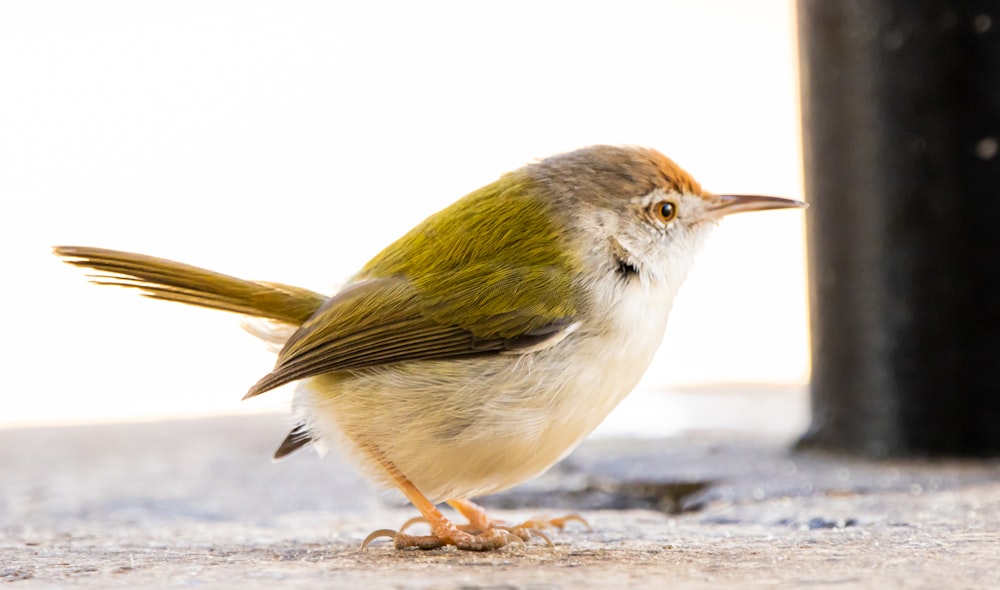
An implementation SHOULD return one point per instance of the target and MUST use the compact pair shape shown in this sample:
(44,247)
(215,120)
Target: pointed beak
(728,204)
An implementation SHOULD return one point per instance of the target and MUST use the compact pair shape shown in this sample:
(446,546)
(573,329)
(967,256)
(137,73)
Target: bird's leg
(475,514)
(443,531)
(480,521)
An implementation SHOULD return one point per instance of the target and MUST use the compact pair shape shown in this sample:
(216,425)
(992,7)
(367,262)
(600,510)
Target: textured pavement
(199,504)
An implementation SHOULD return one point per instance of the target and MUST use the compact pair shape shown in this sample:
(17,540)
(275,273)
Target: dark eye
(665,211)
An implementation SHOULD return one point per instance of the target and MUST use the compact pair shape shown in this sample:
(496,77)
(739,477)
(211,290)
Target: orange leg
(443,531)
(474,513)
(479,520)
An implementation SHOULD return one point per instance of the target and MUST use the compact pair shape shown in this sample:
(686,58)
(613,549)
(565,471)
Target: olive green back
(494,262)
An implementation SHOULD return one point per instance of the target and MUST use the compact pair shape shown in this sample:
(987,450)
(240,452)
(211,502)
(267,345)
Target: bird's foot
(523,532)
(479,520)
(557,523)
(533,527)
(488,540)
(482,533)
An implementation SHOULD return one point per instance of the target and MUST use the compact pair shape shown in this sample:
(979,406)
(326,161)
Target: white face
(648,243)
(663,232)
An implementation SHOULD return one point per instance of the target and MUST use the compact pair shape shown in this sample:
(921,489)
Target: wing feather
(384,320)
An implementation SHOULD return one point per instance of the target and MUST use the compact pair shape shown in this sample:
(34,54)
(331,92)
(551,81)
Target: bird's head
(635,211)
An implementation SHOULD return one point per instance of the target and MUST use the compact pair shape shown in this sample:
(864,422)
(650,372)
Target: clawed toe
(527,533)
(559,523)
(482,533)
(490,540)
(404,541)
(378,535)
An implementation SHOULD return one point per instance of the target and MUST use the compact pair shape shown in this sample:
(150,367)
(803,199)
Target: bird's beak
(720,205)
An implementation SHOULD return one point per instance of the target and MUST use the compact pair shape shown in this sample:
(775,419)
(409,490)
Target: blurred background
(290,142)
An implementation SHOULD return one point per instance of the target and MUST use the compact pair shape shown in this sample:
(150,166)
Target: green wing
(490,273)
(388,320)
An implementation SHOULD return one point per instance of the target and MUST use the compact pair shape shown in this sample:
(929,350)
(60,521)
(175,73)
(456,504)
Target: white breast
(609,364)
(465,428)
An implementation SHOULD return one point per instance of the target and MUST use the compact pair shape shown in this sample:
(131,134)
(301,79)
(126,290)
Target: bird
(481,347)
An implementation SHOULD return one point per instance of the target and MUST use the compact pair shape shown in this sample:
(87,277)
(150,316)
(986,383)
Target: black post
(901,117)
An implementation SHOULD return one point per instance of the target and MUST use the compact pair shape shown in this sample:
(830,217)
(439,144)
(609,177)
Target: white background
(290,141)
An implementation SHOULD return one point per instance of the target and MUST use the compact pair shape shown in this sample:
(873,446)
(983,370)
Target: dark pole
(901,119)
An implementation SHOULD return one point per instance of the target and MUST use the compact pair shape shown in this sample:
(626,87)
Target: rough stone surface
(198,504)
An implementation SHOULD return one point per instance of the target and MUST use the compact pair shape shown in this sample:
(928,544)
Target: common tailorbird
(485,344)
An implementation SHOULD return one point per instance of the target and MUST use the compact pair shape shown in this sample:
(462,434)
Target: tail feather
(159,278)
(296,439)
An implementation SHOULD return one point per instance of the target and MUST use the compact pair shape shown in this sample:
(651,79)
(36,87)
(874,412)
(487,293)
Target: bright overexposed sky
(291,141)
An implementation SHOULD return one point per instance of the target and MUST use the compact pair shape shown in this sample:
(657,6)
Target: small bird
(481,347)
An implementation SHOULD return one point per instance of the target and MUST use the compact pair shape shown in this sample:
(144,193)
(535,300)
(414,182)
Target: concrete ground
(198,504)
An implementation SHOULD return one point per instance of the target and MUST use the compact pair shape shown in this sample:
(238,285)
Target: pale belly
(461,429)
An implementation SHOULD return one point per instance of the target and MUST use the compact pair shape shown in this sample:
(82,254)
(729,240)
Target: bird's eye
(664,211)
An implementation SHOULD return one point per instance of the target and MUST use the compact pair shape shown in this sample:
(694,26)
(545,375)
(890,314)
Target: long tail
(173,281)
